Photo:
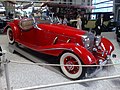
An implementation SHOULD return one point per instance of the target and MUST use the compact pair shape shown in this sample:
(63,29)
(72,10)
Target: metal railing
(5,63)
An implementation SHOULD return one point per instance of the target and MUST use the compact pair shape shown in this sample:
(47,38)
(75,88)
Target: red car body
(57,39)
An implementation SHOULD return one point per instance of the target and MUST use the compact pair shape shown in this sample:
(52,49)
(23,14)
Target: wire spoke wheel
(71,61)
(73,72)
(10,35)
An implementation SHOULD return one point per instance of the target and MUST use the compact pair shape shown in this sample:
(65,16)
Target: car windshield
(42,20)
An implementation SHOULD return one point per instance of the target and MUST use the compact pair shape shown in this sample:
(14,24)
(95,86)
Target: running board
(30,55)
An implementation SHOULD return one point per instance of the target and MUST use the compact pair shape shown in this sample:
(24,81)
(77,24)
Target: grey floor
(22,75)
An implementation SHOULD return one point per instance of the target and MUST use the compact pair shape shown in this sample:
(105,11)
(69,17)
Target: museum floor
(23,75)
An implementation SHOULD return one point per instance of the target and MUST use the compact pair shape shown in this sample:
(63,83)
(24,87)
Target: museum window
(102,5)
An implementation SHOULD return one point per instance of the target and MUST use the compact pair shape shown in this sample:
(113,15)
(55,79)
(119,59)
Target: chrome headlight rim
(86,41)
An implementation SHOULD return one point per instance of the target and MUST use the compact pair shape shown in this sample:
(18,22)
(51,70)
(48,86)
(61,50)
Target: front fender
(106,45)
(58,49)
(85,55)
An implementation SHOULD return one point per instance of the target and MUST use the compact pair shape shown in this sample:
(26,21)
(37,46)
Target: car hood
(62,29)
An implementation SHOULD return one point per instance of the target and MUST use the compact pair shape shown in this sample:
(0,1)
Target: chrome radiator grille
(91,38)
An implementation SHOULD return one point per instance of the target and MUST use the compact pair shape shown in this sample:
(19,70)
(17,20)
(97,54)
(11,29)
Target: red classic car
(72,46)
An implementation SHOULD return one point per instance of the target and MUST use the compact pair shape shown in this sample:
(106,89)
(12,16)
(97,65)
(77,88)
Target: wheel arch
(14,29)
(70,51)
(81,71)
(83,54)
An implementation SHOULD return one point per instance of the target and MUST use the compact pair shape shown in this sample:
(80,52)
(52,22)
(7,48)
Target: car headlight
(97,40)
(86,41)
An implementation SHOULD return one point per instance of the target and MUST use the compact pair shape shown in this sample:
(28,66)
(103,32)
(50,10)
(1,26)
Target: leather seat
(26,24)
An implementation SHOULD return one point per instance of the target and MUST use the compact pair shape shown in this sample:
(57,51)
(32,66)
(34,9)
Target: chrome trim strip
(68,40)
(101,57)
(56,49)
(54,41)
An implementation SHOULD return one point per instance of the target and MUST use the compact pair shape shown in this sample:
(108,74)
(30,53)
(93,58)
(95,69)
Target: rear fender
(14,29)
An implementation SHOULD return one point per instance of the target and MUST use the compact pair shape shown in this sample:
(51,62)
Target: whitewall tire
(72,72)
(10,36)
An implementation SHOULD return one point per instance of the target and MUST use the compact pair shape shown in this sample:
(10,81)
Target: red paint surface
(42,41)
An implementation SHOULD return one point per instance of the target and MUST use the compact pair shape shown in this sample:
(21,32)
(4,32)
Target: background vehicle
(72,46)
(3,23)
(118,34)
(108,25)
(118,24)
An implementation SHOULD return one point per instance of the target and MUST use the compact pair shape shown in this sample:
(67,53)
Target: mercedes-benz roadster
(72,46)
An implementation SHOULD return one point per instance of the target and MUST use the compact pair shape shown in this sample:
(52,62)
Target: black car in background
(3,23)
(118,31)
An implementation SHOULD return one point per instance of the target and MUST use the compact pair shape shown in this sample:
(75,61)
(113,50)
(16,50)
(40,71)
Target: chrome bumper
(98,69)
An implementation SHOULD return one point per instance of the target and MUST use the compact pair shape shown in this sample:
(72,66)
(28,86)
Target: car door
(28,32)
(44,37)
